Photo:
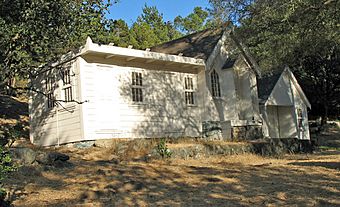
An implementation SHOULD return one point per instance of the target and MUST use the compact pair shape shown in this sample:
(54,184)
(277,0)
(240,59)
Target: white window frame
(49,91)
(215,85)
(67,88)
(190,90)
(137,85)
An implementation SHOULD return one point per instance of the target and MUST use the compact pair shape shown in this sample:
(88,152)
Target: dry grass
(242,180)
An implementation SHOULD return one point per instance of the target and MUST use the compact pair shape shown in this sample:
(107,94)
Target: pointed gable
(282,93)
(266,84)
(276,89)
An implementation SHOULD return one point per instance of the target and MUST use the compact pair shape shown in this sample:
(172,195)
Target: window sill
(138,104)
(217,98)
(191,105)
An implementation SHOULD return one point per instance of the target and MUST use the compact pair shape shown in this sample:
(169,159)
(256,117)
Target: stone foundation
(184,148)
(240,133)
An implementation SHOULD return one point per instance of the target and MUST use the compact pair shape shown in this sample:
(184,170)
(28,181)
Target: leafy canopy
(301,34)
(194,22)
(36,32)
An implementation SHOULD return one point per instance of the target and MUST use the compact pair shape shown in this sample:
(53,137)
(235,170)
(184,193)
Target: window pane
(50,100)
(137,91)
(68,94)
(137,79)
(67,76)
(140,79)
(137,95)
(140,95)
(215,85)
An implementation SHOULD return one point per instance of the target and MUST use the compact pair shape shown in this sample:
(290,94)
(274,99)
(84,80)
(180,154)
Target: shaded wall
(62,123)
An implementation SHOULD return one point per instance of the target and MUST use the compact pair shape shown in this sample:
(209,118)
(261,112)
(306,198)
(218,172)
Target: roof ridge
(187,35)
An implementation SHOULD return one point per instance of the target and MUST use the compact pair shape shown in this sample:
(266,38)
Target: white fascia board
(216,50)
(298,87)
(127,52)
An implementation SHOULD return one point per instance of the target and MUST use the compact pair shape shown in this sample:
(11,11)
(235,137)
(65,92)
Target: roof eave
(298,87)
(91,47)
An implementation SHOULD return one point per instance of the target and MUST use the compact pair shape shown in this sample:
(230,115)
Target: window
(50,92)
(215,85)
(67,86)
(189,91)
(300,118)
(137,87)
(67,76)
(68,94)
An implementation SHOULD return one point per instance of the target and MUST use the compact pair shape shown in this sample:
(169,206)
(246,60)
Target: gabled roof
(202,44)
(266,84)
(196,45)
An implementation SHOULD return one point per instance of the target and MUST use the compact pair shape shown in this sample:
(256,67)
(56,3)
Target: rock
(52,158)
(62,164)
(105,143)
(25,156)
(84,145)
(30,171)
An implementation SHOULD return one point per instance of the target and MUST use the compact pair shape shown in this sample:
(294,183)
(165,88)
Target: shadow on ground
(215,181)
(330,165)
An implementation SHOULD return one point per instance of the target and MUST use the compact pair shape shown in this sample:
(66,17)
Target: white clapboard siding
(110,112)
(52,126)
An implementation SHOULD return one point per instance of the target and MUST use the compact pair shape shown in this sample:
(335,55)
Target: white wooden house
(188,87)
(283,106)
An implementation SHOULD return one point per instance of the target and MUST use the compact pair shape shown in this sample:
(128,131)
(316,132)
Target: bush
(163,150)
(10,133)
(6,166)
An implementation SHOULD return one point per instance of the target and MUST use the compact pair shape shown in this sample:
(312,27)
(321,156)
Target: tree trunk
(11,83)
(325,115)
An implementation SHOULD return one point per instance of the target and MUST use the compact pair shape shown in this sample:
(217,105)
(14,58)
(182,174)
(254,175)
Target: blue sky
(129,10)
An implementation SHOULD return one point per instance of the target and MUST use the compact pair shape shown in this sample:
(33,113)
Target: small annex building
(283,106)
(201,85)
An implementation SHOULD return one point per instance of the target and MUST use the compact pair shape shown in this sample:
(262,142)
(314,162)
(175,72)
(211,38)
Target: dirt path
(243,180)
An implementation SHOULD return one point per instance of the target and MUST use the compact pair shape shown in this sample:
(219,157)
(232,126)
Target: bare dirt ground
(241,180)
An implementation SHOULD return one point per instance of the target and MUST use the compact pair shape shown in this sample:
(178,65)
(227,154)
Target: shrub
(6,166)
(163,149)
(10,133)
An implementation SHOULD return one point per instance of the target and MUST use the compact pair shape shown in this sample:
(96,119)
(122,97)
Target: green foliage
(6,166)
(229,10)
(303,35)
(34,33)
(118,33)
(150,29)
(10,133)
(194,22)
(163,149)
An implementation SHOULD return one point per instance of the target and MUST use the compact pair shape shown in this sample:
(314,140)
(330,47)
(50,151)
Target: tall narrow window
(137,87)
(67,86)
(67,76)
(215,85)
(189,91)
(50,92)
